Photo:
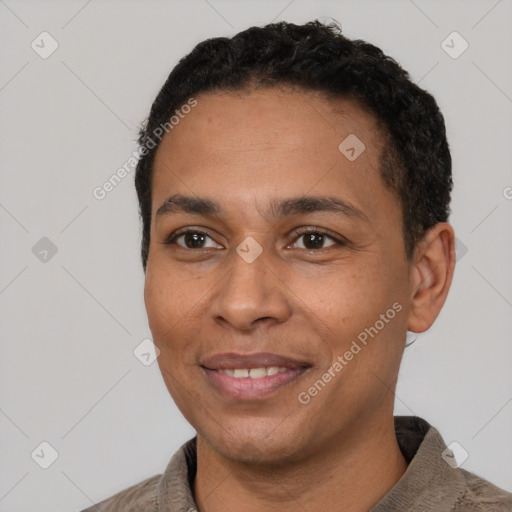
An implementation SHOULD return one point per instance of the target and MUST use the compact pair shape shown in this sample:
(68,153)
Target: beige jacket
(429,484)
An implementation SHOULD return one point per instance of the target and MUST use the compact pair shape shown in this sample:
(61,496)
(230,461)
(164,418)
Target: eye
(314,239)
(192,239)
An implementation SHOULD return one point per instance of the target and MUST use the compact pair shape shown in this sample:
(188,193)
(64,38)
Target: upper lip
(231,360)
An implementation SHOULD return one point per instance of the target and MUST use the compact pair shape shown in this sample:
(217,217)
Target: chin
(264,444)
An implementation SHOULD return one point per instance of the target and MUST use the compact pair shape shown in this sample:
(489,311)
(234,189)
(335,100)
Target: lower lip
(251,389)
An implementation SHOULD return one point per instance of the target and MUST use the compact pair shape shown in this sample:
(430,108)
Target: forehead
(249,146)
(274,115)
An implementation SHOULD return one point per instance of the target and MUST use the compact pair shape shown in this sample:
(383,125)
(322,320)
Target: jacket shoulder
(141,497)
(482,495)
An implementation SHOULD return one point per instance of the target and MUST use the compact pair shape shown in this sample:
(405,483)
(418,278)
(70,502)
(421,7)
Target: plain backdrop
(71,280)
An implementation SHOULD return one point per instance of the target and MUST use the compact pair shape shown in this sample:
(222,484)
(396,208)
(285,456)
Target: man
(294,190)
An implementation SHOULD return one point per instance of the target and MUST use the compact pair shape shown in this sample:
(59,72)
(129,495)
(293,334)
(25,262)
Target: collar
(429,483)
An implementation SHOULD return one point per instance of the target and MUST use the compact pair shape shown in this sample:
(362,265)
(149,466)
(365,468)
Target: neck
(352,475)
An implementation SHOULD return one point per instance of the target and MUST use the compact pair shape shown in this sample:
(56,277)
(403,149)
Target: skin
(243,150)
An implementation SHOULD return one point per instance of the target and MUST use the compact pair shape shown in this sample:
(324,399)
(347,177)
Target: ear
(432,273)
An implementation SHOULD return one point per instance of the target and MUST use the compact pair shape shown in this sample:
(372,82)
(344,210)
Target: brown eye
(191,239)
(315,240)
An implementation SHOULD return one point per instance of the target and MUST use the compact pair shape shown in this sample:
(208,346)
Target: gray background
(70,324)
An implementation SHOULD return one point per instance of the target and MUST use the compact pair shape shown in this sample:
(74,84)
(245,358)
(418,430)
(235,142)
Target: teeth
(257,373)
(253,373)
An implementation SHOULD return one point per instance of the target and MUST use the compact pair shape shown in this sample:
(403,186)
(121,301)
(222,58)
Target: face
(287,258)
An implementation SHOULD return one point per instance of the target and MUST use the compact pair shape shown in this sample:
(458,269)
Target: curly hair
(415,161)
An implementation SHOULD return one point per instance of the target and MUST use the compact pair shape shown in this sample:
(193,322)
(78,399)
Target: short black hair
(415,160)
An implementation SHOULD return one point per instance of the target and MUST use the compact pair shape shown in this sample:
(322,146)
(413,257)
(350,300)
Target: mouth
(252,377)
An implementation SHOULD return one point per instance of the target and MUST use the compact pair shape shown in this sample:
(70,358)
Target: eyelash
(305,231)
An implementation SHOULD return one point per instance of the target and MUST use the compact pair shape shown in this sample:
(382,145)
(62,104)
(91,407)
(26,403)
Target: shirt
(430,483)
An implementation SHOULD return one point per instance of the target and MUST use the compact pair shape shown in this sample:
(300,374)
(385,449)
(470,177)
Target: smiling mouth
(253,373)
(252,377)
(245,387)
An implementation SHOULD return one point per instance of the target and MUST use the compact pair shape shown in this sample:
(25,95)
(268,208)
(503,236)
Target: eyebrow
(279,208)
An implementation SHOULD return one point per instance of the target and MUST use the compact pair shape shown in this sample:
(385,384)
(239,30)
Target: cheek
(166,305)
(175,317)
(345,303)
(343,294)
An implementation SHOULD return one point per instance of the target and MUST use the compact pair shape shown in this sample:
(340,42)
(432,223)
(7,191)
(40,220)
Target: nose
(251,294)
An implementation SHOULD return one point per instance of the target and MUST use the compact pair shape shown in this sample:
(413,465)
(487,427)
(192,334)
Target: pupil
(194,237)
(311,237)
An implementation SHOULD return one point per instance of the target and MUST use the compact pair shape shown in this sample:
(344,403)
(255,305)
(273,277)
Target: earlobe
(432,273)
